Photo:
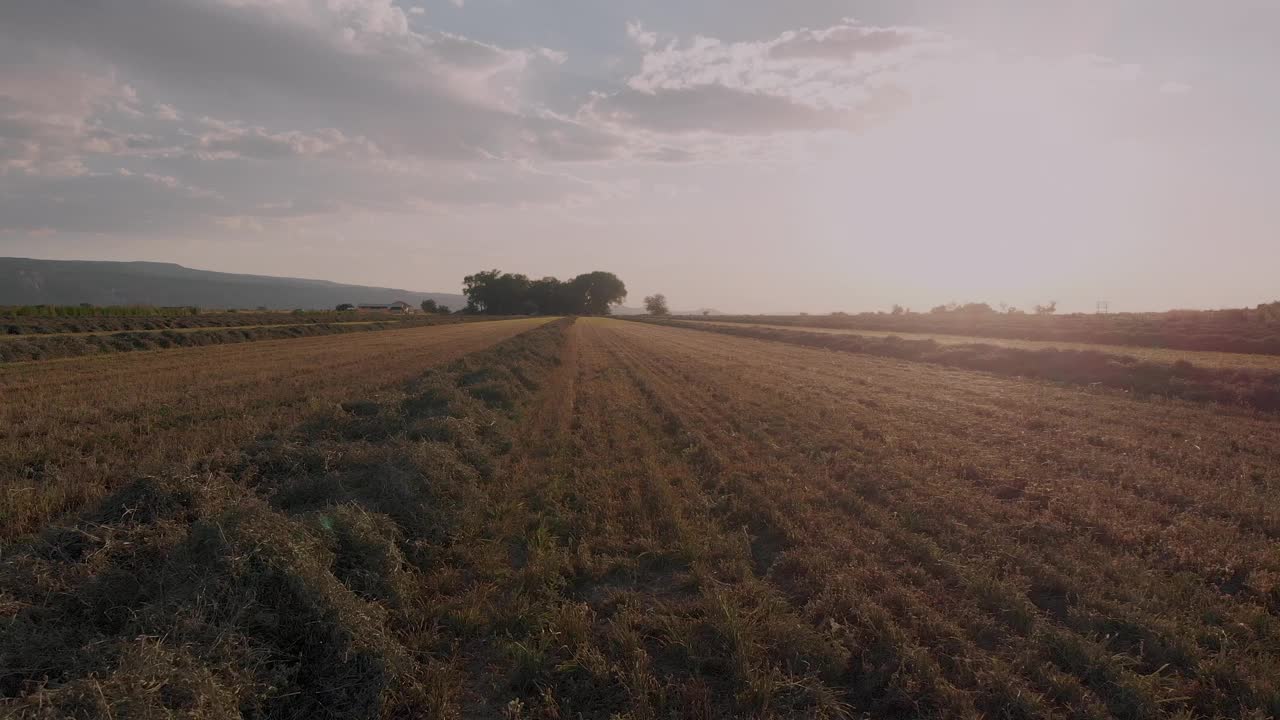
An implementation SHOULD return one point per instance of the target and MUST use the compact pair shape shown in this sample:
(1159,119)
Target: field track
(69,429)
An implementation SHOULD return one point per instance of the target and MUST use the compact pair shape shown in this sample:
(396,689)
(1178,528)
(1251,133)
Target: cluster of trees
(657,305)
(431,307)
(494,292)
(982,308)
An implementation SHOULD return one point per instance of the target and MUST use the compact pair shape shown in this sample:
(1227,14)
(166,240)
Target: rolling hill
(68,282)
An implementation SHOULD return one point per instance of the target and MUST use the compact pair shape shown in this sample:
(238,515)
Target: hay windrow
(289,583)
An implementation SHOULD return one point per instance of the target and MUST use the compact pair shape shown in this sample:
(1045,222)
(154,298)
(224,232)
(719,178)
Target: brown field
(71,430)
(14,322)
(609,519)
(1203,358)
(1241,330)
(48,342)
(30,335)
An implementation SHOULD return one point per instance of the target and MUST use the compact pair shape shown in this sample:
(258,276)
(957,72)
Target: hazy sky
(747,155)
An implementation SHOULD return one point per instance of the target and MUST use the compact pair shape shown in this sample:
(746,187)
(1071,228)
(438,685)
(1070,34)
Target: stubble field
(608,519)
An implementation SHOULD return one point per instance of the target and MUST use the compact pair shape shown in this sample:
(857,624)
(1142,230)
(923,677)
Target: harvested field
(71,430)
(776,530)
(1243,330)
(55,345)
(609,519)
(13,323)
(178,330)
(1244,388)
(1202,358)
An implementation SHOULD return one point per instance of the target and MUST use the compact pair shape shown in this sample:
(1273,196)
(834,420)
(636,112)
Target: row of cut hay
(1238,331)
(299,579)
(1183,380)
(54,347)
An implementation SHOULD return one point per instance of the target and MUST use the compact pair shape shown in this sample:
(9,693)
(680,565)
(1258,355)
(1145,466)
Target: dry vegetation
(58,339)
(1242,330)
(14,322)
(1238,385)
(71,430)
(621,520)
(1203,358)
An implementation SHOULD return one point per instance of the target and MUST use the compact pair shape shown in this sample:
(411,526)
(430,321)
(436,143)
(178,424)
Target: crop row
(50,347)
(622,520)
(952,544)
(41,325)
(1255,331)
(73,430)
(304,576)
(1252,389)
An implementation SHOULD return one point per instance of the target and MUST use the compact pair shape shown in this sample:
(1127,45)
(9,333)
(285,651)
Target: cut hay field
(53,340)
(71,430)
(609,519)
(87,333)
(1204,358)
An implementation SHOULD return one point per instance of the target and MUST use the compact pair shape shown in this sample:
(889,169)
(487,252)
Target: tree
(898,310)
(430,306)
(346,307)
(550,296)
(493,292)
(443,310)
(1049,309)
(598,291)
(656,304)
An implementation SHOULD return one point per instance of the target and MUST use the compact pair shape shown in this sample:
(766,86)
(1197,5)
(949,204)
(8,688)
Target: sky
(742,155)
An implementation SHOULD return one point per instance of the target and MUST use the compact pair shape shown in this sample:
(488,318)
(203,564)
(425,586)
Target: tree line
(493,292)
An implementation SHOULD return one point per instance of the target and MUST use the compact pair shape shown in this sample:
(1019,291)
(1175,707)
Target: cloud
(850,39)
(706,98)
(640,36)
(831,67)
(716,108)
(105,203)
(230,140)
(47,109)
(163,111)
(797,82)
(352,64)
(294,108)
(245,113)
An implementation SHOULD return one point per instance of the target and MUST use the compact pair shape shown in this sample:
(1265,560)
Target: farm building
(398,307)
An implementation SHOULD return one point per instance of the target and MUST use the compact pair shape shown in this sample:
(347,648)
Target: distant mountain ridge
(25,281)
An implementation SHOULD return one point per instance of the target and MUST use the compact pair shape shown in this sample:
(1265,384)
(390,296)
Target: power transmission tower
(1104,307)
